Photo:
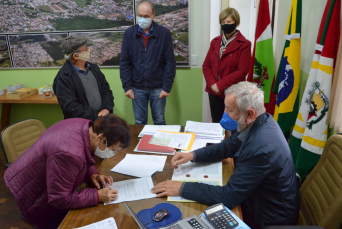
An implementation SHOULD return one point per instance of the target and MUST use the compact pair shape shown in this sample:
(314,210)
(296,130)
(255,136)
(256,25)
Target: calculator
(219,217)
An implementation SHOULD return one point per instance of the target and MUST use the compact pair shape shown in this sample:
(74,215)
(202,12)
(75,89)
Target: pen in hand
(108,185)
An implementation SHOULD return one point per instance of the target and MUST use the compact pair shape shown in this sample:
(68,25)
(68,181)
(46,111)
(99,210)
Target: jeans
(140,106)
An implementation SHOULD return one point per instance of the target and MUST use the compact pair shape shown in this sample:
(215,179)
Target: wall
(185,102)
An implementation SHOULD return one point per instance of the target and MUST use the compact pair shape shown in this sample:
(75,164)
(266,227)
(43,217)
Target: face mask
(144,23)
(230,124)
(228,28)
(107,153)
(85,56)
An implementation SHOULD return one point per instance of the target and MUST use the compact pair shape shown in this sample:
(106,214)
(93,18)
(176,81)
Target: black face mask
(228,28)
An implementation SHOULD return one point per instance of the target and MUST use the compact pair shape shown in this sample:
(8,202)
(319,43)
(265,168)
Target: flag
(309,134)
(288,77)
(262,67)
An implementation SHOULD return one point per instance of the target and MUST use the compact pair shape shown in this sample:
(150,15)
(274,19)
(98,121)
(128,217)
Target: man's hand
(181,158)
(103,112)
(130,94)
(107,195)
(167,188)
(215,89)
(163,94)
(96,179)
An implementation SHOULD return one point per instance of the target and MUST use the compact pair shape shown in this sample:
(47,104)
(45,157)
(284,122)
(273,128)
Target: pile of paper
(202,130)
(152,129)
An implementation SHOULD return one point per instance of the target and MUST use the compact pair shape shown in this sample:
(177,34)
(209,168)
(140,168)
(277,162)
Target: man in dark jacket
(81,88)
(264,181)
(147,65)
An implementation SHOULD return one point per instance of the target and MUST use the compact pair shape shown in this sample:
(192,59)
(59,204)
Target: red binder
(145,146)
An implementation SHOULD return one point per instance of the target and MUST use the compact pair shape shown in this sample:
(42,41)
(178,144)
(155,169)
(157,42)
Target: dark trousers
(216,107)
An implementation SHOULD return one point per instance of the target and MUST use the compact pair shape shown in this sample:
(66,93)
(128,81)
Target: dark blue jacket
(151,67)
(264,181)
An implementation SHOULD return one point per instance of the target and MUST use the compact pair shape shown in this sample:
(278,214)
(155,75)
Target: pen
(108,185)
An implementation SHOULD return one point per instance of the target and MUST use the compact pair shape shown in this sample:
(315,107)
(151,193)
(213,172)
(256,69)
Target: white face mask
(144,23)
(107,153)
(85,56)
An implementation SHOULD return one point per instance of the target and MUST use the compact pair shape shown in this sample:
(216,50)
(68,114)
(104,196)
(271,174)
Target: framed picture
(31,31)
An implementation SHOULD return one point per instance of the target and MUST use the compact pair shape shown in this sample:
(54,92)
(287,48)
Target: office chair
(18,137)
(321,192)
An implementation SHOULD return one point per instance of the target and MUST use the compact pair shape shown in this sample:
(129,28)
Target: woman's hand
(107,195)
(181,158)
(96,179)
(215,89)
(167,188)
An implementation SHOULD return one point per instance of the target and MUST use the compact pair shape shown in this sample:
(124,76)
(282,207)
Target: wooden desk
(7,104)
(85,216)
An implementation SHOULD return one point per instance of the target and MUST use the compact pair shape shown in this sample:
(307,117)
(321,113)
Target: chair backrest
(321,192)
(18,137)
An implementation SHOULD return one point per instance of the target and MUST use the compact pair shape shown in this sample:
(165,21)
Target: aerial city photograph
(40,50)
(35,28)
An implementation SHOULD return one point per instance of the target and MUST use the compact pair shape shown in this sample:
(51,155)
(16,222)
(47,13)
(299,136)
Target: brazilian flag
(288,77)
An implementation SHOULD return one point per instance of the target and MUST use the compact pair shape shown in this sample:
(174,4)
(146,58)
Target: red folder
(145,146)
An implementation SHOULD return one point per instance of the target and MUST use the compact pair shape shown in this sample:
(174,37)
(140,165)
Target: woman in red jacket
(227,62)
(44,179)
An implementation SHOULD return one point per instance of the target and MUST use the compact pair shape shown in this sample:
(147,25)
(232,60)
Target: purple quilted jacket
(45,177)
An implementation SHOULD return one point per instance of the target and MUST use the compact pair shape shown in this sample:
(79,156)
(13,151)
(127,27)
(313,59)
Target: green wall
(184,103)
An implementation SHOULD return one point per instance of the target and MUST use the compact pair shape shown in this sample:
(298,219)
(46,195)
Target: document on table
(201,172)
(151,129)
(177,140)
(150,158)
(135,189)
(108,223)
(204,128)
(133,166)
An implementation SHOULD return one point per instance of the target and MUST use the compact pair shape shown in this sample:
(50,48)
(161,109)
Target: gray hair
(151,5)
(70,56)
(248,96)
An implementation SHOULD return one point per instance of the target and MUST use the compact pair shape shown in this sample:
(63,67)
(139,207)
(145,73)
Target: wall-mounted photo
(63,15)
(36,50)
(105,47)
(5,61)
(174,15)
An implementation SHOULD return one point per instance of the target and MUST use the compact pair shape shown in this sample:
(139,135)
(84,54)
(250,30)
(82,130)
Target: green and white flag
(310,131)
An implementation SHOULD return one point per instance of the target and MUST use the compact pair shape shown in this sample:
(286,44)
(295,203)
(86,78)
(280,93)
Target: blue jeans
(140,106)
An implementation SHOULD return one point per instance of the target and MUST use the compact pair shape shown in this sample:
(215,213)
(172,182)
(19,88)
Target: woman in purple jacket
(44,179)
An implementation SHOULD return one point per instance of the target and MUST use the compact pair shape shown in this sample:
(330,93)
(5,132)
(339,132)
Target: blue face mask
(228,123)
(144,23)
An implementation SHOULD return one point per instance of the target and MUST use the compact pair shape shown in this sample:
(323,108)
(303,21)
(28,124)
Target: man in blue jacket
(147,65)
(264,182)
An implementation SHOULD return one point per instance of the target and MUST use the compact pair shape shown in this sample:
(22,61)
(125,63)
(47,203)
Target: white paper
(174,140)
(135,189)
(132,166)
(204,128)
(152,129)
(108,223)
(150,158)
(198,171)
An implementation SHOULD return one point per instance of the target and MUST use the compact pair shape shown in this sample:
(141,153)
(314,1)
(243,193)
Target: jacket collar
(154,32)
(235,44)
(87,145)
(261,119)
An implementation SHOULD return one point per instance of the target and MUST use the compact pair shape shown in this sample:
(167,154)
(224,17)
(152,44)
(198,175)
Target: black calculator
(219,217)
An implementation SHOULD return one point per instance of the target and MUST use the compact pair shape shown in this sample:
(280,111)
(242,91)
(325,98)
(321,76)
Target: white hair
(248,96)
(69,56)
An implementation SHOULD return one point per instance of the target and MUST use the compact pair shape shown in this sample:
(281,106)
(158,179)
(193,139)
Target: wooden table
(7,104)
(85,216)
